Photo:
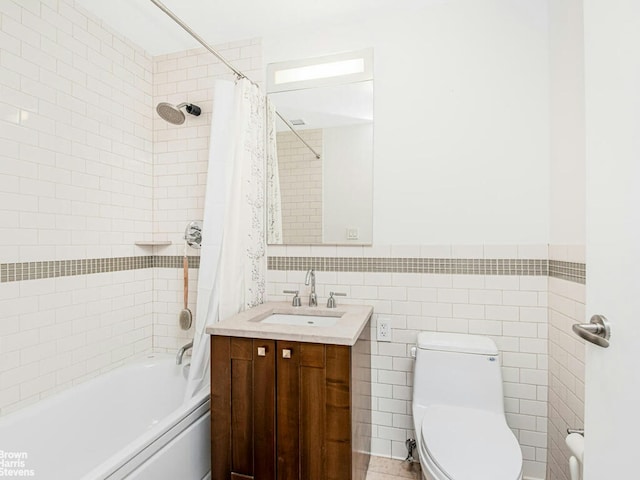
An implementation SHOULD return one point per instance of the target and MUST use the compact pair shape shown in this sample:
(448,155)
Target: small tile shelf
(150,243)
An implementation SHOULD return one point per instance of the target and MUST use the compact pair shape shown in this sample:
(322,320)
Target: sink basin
(301,320)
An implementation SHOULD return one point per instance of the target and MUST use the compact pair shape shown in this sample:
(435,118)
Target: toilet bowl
(458,413)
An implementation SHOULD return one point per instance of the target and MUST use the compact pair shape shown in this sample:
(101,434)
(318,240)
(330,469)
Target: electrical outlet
(353,234)
(384,330)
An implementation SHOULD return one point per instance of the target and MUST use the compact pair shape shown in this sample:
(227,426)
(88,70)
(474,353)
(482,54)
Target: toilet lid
(470,444)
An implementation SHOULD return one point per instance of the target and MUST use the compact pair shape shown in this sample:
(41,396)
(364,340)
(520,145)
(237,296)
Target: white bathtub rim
(58,397)
(126,460)
(120,463)
(186,457)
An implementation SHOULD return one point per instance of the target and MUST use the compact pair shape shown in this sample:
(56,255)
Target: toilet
(458,410)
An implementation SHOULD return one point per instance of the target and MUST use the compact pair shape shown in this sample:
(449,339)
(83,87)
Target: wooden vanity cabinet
(284,410)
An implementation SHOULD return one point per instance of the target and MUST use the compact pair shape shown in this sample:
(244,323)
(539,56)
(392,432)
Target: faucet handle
(296,302)
(331,302)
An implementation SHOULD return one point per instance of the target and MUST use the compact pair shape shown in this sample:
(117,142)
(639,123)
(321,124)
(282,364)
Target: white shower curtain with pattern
(233,258)
(274,203)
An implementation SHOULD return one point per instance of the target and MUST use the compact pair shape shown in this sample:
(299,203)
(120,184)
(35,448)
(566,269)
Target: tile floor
(381,468)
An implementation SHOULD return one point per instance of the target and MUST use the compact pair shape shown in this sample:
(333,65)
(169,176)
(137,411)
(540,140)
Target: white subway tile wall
(566,361)
(76,165)
(58,332)
(181,155)
(300,175)
(167,304)
(181,152)
(510,309)
(76,181)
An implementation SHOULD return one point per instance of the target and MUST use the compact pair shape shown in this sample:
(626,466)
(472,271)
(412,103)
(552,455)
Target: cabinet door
(242,409)
(288,411)
(313,411)
(339,421)
(264,409)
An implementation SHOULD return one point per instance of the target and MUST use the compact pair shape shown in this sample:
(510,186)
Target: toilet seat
(470,444)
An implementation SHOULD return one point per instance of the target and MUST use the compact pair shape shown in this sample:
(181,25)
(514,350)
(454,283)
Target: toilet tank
(458,370)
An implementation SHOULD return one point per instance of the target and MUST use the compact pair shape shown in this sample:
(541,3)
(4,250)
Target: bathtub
(129,423)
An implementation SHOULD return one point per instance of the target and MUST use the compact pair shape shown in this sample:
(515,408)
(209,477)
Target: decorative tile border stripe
(17,272)
(573,272)
(175,261)
(454,266)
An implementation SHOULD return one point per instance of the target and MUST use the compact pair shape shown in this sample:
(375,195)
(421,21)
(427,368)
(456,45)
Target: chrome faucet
(311,279)
(182,351)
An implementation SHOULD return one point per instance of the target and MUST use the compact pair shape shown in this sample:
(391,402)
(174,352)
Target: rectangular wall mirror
(329,103)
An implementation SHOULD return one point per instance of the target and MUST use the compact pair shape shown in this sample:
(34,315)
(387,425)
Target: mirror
(327,200)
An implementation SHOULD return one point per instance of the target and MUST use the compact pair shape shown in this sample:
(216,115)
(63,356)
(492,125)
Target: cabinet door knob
(262,351)
(286,353)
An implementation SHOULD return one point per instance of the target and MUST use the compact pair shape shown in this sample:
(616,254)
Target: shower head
(173,114)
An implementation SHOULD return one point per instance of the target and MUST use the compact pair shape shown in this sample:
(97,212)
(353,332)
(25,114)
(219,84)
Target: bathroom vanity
(291,399)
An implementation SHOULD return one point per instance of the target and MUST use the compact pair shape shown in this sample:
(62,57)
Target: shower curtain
(274,203)
(233,259)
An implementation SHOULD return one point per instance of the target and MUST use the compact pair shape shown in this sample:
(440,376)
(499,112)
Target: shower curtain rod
(237,72)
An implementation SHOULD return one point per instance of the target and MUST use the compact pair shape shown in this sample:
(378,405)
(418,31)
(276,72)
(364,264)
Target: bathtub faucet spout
(181,352)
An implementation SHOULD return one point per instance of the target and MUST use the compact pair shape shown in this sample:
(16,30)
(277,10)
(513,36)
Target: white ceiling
(219,21)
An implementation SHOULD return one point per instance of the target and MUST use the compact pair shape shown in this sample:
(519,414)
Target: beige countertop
(352,320)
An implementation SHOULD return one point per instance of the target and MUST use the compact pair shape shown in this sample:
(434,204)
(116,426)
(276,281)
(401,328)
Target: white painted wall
(347,183)
(566,122)
(461,118)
